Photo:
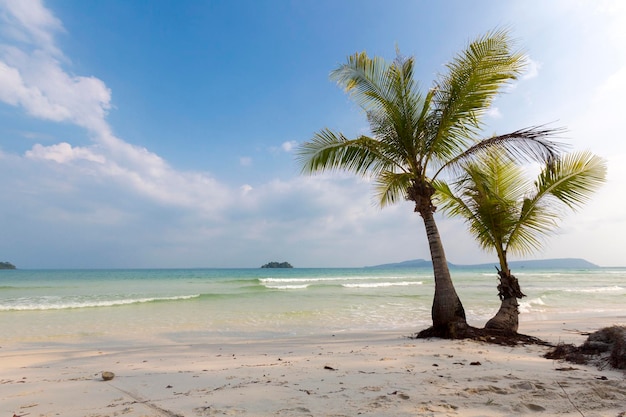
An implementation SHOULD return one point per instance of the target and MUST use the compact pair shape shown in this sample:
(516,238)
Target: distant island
(277,265)
(7,265)
(560,263)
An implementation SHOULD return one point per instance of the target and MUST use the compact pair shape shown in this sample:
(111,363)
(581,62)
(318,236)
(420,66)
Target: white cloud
(599,117)
(14,91)
(532,69)
(63,153)
(494,113)
(37,83)
(616,9)
(150,180)
(30,22)
(611,92)
(289,145)
(33,78)
(245,161)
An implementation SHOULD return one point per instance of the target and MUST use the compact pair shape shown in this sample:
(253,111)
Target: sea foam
(46,303)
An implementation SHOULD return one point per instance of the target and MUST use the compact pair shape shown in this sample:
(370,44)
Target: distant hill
(415,263)
(561,263)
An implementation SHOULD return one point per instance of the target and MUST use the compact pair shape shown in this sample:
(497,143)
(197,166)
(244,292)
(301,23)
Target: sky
(161,134)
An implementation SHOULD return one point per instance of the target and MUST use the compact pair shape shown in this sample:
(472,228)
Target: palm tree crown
(414,136)
(509,214)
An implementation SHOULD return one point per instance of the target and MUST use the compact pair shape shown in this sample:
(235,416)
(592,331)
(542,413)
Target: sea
(58,306)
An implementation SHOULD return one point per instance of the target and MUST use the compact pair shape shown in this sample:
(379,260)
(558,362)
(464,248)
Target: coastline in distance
(559,263)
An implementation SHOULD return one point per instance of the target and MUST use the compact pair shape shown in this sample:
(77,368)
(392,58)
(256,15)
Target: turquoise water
(58,305)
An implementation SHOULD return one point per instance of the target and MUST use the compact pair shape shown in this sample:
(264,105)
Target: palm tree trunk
(507,318)
(448,314)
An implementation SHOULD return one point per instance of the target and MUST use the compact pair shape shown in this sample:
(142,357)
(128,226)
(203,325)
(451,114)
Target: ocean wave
(64,305)
(303,280)
(304,283)
(382,284)
(543,274)
(287,287)
(532,305)
(614,288)
(266,281)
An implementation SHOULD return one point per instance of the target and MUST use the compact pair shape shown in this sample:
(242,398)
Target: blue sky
(161,133)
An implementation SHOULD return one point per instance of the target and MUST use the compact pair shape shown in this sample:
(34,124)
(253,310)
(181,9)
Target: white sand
(377,374)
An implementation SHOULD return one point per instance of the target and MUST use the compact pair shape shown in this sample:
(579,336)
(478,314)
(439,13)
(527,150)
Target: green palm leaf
(523,145)
(466,92)
(569,180)
(391,187)
(573,178)
(487,198)
(329,151)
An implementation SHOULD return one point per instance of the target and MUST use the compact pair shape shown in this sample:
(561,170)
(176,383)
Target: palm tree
(415,137)
(508,214)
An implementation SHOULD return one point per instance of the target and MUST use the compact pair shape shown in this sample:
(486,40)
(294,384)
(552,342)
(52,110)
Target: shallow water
(67,305)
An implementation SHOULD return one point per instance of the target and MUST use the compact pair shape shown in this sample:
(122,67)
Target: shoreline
(378,373)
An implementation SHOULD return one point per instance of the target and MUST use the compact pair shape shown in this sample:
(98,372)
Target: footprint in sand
(535,407)
(291,411)
(213,411)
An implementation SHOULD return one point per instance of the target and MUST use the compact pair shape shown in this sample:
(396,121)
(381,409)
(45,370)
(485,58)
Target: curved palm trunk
(447,312)
(507,317)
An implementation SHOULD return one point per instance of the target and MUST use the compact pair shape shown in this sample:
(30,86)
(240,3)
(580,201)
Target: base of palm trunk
(453,330)
(482,335)
(507,317)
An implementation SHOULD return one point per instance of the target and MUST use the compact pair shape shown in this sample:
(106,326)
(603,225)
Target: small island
(277,265)
(7,265)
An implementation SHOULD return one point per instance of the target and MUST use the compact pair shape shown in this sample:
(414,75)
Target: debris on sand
(606,347)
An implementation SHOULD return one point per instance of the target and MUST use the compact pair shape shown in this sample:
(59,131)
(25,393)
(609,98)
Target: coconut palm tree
(415,137)
(507,213)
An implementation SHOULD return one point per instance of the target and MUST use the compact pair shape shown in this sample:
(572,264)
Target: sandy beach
(346,374)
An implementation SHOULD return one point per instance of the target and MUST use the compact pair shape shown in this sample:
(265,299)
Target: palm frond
(391,98)
(504,211)
(366,80)
(573,178)
(465,93)
(449,203)
(457,204)
(491,187)
(535,222)
(329,151)
(524,145)
(391,187)
(570,180)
